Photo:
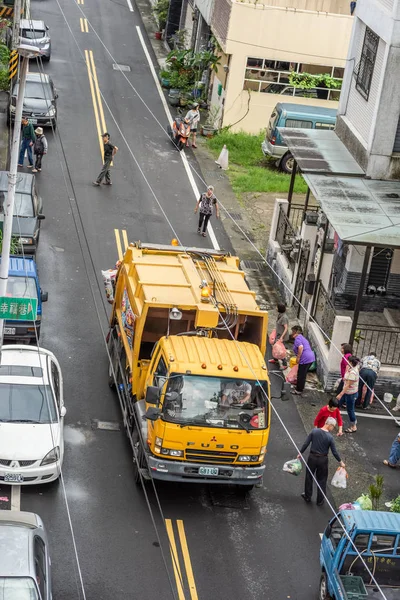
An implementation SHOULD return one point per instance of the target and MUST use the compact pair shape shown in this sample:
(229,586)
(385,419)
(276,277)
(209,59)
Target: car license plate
(33,121)
(208,471)
(9,330)
(14,477)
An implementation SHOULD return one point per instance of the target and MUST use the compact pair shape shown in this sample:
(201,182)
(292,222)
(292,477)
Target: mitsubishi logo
(213,439)
(14,464)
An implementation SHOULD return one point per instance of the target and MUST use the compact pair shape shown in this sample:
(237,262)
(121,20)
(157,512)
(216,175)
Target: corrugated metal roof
(22,265)
(362,211)
(372,520)
(305,109)
(213,352)
(24,182)
(319,151)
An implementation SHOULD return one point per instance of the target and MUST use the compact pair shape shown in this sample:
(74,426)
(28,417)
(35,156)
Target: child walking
(39,149)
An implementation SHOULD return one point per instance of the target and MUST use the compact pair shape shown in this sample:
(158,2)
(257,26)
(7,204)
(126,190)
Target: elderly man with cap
(39,149)
(109,153)
(194,118)
(321,441)
(206,202)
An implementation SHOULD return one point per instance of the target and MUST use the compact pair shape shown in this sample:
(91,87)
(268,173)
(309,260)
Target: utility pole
(25,52)
(16,22)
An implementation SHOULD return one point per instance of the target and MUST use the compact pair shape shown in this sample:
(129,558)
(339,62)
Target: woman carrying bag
(349,393)
(282,334)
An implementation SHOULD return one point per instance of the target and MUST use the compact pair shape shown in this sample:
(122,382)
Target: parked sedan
(27,211)
(31,416)
(40,101)
(36,33)
(25,565)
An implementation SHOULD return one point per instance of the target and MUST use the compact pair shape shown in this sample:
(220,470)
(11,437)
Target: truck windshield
(216,402)
(21,287)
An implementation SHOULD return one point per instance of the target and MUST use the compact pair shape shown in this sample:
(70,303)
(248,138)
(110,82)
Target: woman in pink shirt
(347,352)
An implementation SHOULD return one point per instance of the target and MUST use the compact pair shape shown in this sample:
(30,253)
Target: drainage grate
(117,67)
(253,265)
(107,425)
(236,216)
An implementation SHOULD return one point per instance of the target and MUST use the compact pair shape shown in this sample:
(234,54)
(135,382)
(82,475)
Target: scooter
(179,133)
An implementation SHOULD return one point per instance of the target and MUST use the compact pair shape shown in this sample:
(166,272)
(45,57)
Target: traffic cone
(223,159)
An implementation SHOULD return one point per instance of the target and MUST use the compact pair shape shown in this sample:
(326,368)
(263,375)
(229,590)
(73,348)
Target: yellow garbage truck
(186,353)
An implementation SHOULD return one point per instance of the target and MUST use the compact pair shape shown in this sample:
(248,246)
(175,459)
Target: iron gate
(301,273)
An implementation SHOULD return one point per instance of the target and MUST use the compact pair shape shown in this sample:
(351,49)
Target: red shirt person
(330,410)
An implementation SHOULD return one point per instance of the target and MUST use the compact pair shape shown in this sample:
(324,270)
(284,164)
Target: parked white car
(31,416)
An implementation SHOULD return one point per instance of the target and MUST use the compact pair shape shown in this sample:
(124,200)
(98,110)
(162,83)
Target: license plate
(14,477)
(9,330)
(33,121)
(208,471)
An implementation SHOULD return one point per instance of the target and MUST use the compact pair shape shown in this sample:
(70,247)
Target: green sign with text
(21,309)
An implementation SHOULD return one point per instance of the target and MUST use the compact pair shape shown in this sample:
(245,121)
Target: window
(298,123)
(367,63)
(324,126)
(273,77)
(40,565)
(360,542)
(383,543)
(21,403)
(56,382)
(335,532)
(160,374)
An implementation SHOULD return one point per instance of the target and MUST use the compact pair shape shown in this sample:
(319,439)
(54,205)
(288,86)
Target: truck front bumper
(169,470)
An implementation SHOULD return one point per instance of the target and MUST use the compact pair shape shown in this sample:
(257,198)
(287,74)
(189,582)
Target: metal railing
(287,238)
(297,214)
(324,312)
(382,339)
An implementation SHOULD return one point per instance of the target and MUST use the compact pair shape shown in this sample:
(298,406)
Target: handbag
(279,350)
(272,337)
(291,377)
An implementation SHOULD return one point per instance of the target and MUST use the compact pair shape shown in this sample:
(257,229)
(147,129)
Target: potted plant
(164,78)
(160,11)
(210,126)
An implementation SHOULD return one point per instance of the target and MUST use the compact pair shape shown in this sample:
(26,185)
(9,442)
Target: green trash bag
(293,466)
(364,501)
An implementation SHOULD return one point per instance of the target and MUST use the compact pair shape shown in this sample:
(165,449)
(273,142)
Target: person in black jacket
(321,441)
(28,138)
(109,153)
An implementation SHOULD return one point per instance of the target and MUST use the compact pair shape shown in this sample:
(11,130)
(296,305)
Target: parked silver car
(36,33)
(25,566)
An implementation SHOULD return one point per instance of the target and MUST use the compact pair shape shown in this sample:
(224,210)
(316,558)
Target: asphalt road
(264,545)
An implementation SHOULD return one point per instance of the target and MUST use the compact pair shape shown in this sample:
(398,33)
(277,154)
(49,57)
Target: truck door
(329,548)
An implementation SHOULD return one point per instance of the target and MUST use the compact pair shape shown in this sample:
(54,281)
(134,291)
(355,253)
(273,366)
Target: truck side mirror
(152,413)
(152,394)
(40,217)
(44,296)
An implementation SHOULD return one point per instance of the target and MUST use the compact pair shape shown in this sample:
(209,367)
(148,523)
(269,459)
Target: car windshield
(21,287)
(20,403)
(18,588)
(23,206)
(216,402)
(33,34)
(40,90)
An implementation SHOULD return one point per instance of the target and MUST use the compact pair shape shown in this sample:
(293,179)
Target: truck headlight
(51,457)
(248,458)
(158,441)
(169,452)
(51,112)
(24,240)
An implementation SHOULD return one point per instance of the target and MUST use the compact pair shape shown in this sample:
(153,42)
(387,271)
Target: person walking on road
(305,358)
(330,410)
(39,149)
(347,351)
(348,395)
(194,118)
(282,332)
(28,139)
(394,456)
(109,152)
(206,202)
(370,366)
(321,441)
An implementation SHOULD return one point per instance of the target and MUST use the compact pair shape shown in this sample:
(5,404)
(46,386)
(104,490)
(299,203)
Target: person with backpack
(39,149)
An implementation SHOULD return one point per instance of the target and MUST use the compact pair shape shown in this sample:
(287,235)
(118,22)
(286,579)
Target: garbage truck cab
(356,544)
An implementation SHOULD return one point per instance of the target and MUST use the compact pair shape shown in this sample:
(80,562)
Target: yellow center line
(118,242)
(84,25)
(96,85)
(125,238)
(96,112)
(187,561)
(175,560)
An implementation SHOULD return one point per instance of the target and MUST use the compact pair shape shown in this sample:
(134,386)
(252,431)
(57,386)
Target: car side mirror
(63,411)
(44,296)
(152,413)
(152,394)
(40,217)
(46,28)
(56,95)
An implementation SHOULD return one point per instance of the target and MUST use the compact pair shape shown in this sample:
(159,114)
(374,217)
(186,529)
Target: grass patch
(249,170)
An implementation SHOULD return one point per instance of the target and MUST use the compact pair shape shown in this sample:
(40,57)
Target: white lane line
(169,116)
(15,497)
(371,416)
(130,5)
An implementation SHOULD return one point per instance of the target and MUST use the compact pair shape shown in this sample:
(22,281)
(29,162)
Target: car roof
(22,266)
(42,77)
(304,109)
(31,24)
(371,520)
(16,529)
(24,182)
(24,356)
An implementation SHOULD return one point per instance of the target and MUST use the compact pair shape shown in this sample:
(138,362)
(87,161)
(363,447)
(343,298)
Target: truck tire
(138,464)
(323,588)
(286,163)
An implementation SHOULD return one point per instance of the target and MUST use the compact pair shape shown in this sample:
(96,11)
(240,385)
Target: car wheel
(54,125)
(287,163)
(323,588)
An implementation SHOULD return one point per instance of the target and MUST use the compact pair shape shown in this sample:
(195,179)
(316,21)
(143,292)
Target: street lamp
(26,52)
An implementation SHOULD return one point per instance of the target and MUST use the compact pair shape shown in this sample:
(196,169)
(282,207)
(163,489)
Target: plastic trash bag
(339,480)
(293,467)
(347,506)
(291,377)
(109,277)
(364,502)
(272,337)
(279,350)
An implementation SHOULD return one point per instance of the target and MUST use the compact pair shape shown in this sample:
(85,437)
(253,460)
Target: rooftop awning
(362,211)
(319,151)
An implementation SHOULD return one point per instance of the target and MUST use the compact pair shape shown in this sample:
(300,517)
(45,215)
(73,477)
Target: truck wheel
(111,381)
(323,588)
(287,163)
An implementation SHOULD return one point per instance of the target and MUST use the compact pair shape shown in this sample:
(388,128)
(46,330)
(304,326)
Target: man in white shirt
(370,366)
(236,392)
(194,117)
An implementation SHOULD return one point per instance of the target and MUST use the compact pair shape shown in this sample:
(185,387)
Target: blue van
(23,282)
(293,115)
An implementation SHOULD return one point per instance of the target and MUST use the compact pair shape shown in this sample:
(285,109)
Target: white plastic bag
(293,466)
(339,480)
(109,283)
